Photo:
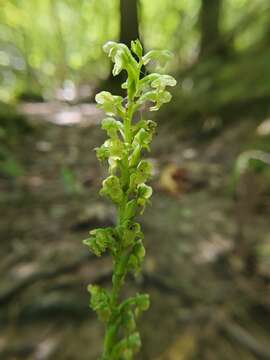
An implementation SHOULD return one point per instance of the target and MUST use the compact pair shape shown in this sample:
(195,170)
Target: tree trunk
(211,38)
(129,30)
(129,23)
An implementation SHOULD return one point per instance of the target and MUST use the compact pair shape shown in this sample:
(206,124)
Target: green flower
(126,188)
(100,240)
(111,104)
(142,173)
(111,188)
(159,56)
(112,127)
(144,192)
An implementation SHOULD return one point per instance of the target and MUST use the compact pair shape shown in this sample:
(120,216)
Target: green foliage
(126,187)
(41,43)
(41,39)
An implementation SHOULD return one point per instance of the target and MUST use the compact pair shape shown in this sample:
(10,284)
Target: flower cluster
(126,187)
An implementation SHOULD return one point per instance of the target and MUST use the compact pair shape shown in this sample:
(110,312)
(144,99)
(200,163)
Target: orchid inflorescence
(126,187)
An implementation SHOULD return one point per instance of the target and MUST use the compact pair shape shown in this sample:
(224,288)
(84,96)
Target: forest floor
(206,301)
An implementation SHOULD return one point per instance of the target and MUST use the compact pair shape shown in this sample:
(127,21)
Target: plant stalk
(119,267)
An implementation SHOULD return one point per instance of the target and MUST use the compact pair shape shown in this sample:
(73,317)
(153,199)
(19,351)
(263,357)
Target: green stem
(120,264)
(109,340)
(127,122)
(126,187)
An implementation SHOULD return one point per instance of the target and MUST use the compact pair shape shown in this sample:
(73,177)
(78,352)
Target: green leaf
(135,156)
(136,47)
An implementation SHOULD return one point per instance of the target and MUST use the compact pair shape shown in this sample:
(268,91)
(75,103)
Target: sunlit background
(46,44)
(207,232)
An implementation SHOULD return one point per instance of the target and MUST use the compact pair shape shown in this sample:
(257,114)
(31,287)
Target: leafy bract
(136,47)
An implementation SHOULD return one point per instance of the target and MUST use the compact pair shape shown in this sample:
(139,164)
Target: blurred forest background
(207,231)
